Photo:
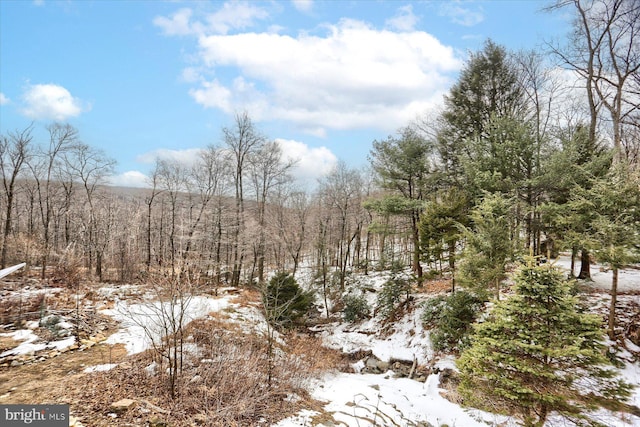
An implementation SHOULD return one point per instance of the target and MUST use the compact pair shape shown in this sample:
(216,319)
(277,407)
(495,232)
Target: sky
(151,79)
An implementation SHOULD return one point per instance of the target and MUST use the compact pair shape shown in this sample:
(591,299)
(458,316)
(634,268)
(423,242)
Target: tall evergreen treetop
(488,86)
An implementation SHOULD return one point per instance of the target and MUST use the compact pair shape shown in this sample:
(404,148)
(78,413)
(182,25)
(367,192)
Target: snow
(144,323)
(356,400)
(407,341)
(99,368)
(367,400)
(628,279)
(30,344)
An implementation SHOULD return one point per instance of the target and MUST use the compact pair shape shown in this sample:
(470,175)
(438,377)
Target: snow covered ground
(366,400)
(628,279)
(144,323)
(353,399)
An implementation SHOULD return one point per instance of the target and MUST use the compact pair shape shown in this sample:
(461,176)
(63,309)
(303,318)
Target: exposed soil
(45,381)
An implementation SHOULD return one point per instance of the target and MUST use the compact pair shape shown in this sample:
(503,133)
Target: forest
(533,155)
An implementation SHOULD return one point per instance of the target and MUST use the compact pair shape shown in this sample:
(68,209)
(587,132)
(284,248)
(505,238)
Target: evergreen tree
(440,231)
(488,87)
(539,353)
(574,168)
(403,166)
(614,203)
(488,246)
(284,301)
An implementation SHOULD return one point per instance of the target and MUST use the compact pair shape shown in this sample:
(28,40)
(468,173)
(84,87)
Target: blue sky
(141,79)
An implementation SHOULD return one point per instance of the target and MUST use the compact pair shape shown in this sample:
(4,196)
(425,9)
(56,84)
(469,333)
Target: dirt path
(36,383)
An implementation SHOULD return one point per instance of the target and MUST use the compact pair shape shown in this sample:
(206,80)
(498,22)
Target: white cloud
(233,15)
(461,15)
(187,156)
(404,20)
(213,95)
(355,76)
(3,99)
(303,5)
(129,179)
(177,25)
(51,102)
(311,163)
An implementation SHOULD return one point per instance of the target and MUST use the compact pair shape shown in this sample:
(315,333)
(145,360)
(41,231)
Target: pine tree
(440,231)
(539,353)
(614,202)
(403,166)
(488,247)
(488,87)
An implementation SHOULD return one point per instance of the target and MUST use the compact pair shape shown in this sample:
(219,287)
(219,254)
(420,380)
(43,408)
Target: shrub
(284,301)
(431,310)
(356,307)
(451,318)
(394,292)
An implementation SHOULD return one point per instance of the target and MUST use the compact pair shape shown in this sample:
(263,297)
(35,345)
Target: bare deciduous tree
(242,139)
(15,150)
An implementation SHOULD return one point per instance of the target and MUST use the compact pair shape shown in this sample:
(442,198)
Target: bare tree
(15,151)
(172,178)
(242,139)
(341,190)
(44,165)
(91,167)
(153,180)
(291,220)
(605,52)
(205,180)
(267,169)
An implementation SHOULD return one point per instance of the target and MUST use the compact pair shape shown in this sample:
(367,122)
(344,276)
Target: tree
(440,228)
(153,180)
(574,168)
(488,246)
(604,51)
(243,139)
(488,87)
(91,167)
(205,179)
(172,177)
(292,221)
(403,166)
(614,202)
(539,353)
(15,151)
(450,318)
(44,165)
(267,170)
(342,192)
(284,300)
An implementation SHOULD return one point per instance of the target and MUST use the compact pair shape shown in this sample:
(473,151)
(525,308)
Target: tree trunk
(612,307)
(417,268)
(585,265)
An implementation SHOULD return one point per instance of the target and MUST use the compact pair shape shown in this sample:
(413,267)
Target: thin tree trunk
(612,307)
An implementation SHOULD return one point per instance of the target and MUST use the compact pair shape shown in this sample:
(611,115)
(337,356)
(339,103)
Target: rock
(374,365)
(157,422)
(122,405)
(15,363)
